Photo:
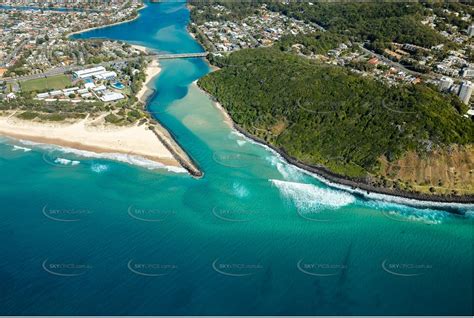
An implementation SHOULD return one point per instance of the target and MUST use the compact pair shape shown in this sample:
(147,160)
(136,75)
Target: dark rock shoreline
(177,151)
(357,184)
(171,142)
(342,180)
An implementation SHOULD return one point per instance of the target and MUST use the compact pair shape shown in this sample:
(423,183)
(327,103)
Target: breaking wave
(385,198)
(66,162)
(238,137)
(308,196)
(99,168)
(240,190)
(125,158)
(287,171)
(464,208)
(400,212)
(24,149)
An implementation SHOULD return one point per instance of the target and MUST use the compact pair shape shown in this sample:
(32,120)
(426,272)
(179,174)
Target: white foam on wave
(287,171)
(429,218)
(99,168)
(374,196)
(240,190)
(238,137)
(379,196)
(29,143)
(308,196)
(66,162)
(384,198)
(24,149)
(126,158)
(469,214)
(402,212)
(415,203)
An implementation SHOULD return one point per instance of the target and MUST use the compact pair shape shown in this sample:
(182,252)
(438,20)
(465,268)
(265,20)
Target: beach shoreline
(140,48)
(164,136)
(87,135)
(152,70)
(154,143)
(151,141)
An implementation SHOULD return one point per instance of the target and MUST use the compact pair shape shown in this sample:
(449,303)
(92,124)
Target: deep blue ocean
(84,235)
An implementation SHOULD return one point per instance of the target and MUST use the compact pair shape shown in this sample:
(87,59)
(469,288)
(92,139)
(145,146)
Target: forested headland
(325,115)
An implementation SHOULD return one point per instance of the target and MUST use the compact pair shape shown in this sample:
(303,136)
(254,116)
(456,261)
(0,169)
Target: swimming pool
(118,85)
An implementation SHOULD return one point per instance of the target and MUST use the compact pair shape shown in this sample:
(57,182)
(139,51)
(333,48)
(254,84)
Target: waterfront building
(468,72)
(445,83)
(70,91)
(42,95)
(465,91)
(100,88)
(105,75)
(111,97)
(470,30)
(55,93)
(88,73)
(89,85)
(82,91)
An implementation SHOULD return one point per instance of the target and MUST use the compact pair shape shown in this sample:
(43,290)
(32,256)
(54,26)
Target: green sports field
(41,84)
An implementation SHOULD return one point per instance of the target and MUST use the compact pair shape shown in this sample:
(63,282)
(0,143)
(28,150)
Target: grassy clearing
(441,170)
(42,84)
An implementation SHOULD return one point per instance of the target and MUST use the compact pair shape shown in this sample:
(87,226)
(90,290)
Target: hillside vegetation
(326,115)
(376,22)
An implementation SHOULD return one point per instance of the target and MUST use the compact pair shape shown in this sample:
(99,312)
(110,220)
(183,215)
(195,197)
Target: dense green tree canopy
(326,115)
(380,22)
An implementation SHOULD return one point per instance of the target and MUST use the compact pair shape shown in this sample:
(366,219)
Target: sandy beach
(157,145)
(140,48)
(227,119)
(87,135)
(152,70)
(93,135)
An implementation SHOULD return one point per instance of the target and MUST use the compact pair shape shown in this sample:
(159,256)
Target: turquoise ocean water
(84,235)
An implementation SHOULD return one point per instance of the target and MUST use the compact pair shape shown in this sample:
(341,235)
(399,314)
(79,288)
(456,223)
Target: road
(65,69)
(395,64)
(62,70)
(13,53)
(180,55)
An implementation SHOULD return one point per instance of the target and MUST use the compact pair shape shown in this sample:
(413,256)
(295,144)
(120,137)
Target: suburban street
(394,64)
(65,69)
(13,53)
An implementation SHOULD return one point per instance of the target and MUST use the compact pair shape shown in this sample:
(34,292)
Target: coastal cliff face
(406,141)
